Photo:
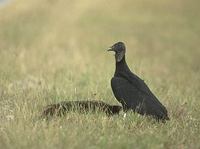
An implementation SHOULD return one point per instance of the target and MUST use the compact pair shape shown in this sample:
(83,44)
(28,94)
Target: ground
(52,51)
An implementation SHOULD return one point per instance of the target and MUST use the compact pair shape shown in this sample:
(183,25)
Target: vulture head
(119,49)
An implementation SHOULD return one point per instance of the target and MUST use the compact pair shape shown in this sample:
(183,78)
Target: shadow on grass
(60,109)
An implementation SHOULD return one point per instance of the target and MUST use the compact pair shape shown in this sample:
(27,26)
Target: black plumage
(131,91)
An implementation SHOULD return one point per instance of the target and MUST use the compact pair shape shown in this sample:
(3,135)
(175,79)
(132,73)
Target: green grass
(52,51)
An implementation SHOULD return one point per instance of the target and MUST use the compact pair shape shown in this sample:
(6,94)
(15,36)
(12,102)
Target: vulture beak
(110,49)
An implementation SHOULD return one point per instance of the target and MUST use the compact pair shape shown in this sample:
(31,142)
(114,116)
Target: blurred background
(55,33)
(54,50)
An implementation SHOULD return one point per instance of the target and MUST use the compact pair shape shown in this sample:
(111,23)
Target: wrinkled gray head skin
(119,49)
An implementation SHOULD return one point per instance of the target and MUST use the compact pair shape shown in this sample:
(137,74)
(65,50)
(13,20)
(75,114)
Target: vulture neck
(121,66)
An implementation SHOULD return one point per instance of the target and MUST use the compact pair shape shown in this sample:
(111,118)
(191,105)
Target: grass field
(52,51)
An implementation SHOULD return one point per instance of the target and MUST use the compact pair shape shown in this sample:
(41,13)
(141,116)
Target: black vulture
(61,108)
(131,91)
